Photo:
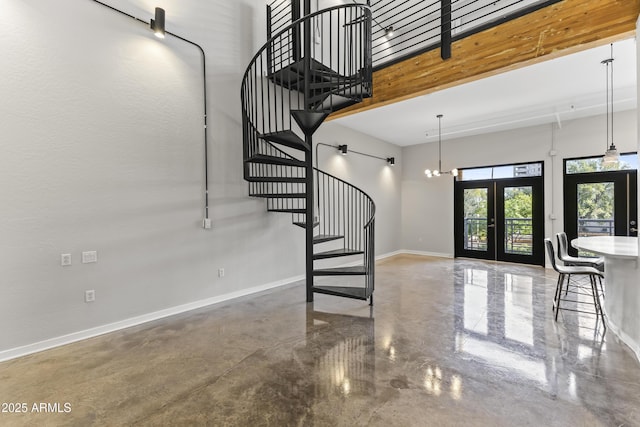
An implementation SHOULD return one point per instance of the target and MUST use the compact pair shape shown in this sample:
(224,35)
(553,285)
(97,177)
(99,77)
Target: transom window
(627,161)
(520,170)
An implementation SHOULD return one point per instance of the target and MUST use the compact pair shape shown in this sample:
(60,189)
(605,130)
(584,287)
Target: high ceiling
(553,91)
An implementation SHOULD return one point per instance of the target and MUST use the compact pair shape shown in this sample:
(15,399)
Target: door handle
(491,225)
(633,230)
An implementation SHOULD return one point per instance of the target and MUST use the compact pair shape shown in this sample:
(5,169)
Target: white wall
(427,204)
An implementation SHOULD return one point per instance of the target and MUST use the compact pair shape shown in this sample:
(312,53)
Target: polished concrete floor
(448,343)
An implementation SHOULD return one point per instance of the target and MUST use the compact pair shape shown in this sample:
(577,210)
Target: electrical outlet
(221,272)
(65,260)
(89,257)
(90,295)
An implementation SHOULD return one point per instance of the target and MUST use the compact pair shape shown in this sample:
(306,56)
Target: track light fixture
(157,24)
(389,31)
(344,149)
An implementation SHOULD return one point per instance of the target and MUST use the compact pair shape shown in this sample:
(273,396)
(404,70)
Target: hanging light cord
(609,79)
(611,93)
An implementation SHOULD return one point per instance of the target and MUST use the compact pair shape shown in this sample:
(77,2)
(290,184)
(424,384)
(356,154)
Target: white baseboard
(138,320)
(423,253)
(388,255)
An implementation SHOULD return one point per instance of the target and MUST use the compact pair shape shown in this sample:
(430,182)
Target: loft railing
(419,25)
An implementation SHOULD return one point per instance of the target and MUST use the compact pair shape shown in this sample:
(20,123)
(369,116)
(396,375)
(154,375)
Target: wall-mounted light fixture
(389,31)
(343,149)
(157,24)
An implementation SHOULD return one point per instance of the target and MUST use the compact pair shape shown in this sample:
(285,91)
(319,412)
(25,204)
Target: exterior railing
(518,232)
(475,234)
(518,235)
(596,227)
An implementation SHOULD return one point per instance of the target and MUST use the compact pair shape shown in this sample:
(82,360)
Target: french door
(600,204)
(500,219)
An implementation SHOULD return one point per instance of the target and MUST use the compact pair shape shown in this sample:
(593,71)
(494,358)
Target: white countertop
(614,246)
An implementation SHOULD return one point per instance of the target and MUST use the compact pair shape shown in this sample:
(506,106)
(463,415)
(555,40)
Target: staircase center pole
(309,155)
(309,217)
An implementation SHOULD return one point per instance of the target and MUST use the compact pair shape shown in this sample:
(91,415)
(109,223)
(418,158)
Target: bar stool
(563,255)
(568,271)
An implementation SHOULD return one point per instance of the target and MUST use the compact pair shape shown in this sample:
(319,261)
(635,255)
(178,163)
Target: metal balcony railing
(405,28)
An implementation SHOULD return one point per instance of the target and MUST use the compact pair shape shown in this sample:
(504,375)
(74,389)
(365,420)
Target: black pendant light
(611,154)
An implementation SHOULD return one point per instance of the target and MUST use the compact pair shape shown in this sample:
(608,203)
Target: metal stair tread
(358,270)
(273,160)
(321,238)
(337,83)
(280,195)
(333,102)
(343,291)
(286,137)
(304,224)
(292,76)
(276,179)
(288,210)
(337,253)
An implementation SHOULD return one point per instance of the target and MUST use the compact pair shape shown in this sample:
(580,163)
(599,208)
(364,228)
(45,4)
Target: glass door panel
(596,209)
(518,220)
(475,218)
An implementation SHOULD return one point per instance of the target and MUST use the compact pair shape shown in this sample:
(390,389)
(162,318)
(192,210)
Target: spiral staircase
(309,68)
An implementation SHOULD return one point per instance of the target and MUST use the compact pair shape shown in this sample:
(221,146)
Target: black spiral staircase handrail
(318,64)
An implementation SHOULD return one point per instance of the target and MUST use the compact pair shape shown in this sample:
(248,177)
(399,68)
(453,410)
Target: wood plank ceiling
(560,29)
